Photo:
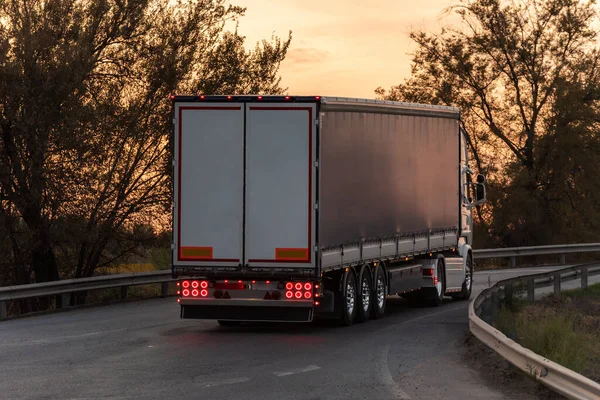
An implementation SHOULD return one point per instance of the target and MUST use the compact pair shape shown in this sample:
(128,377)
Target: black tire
(379,293)
(467,286)
(364,295)
(347,298)
(229,323)
(434,296)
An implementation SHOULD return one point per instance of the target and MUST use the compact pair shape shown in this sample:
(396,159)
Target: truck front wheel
(467,286)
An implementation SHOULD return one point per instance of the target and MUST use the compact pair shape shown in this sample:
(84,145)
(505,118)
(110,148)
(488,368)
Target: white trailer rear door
(280,184)
(209,184)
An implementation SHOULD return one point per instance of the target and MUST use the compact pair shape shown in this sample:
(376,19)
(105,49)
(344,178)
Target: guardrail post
(65,300)
(2,310)
(563,258)
(508,295)
(557,284)
(584,277)
(531,290)
(124,292)
(164,289)
(495,305)
(513,262)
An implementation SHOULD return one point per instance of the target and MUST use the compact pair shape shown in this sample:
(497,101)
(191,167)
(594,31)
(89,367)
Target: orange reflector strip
(197,252)
(291,254)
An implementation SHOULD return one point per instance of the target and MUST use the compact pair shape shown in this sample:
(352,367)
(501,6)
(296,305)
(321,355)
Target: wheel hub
(366,296)
(468,276)
(350,297)
(380,292)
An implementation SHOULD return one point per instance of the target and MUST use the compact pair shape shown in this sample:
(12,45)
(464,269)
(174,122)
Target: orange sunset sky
(342,47)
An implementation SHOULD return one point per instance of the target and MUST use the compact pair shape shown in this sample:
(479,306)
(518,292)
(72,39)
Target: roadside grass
(563,329)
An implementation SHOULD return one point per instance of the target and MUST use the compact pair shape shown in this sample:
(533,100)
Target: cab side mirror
(480,194)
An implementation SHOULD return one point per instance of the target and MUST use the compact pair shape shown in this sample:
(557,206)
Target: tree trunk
(44,266)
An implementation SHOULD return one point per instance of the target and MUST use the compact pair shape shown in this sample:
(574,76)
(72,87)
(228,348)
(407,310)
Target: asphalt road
(143,350)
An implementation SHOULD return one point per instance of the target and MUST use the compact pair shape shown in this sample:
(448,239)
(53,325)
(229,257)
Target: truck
(288,208)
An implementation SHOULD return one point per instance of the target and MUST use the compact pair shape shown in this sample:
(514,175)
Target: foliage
(85,121)
(564,330)
(525,75)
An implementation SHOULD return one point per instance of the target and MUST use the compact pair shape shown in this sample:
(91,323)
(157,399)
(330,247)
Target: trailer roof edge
(385,106)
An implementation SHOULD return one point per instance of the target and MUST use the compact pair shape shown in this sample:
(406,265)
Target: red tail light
(186,292)
(204,284)
(428,272)
(299,290)
(185,284)
(195,293)
(204,293)
(195,284)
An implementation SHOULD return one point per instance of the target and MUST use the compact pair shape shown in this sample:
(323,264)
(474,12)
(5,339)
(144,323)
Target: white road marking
(230,381)
(298,370)
(386,376)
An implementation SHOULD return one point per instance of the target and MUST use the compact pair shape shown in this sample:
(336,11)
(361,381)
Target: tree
(85,115)
(506,66)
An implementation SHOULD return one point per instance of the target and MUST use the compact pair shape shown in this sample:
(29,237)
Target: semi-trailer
(288,207)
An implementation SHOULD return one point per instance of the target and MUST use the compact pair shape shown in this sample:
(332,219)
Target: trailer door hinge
(172,246)
(317,122)
(316,248)
(316,206)
(174,121)
(316,164)
(173,162)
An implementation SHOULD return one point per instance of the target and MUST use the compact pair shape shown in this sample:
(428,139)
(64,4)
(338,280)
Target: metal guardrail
(484,308)
(513,252)
(66,287)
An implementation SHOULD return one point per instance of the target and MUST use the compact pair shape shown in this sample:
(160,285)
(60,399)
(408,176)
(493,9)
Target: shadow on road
(397,310)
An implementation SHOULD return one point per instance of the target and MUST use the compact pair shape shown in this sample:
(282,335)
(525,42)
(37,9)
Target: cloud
(306,55)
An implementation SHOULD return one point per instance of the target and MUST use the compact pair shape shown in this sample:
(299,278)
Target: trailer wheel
(467,286)
(379,293)
(433,296)
(365,302)
(348,298)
